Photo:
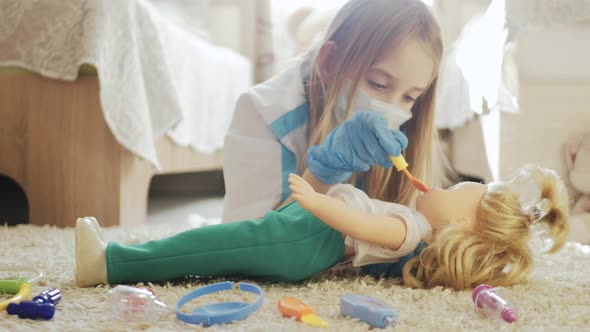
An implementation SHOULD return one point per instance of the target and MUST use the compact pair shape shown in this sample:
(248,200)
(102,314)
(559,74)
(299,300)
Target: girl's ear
(326,60)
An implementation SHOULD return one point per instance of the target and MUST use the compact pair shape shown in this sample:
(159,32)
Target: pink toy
(485,297)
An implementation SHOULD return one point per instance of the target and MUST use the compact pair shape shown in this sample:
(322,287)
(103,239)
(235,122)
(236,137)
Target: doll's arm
(388,232)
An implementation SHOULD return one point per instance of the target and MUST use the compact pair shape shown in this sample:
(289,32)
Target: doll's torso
(417,228)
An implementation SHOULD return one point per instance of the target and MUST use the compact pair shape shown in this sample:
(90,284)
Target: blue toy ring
(219,313)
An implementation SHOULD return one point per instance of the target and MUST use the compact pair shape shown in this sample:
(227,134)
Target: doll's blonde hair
(362,31)
(496,250)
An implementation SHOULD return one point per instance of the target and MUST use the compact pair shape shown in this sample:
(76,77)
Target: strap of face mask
(394,116)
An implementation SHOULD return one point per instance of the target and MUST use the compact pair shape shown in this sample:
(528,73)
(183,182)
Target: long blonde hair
(363,30)
(496,250)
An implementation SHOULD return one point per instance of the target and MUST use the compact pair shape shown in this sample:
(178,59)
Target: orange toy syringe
(292,307)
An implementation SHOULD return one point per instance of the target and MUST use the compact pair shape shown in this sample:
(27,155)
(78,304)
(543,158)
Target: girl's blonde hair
(496,250)
(363,30)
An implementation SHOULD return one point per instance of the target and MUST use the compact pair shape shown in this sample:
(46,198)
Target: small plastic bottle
(135,304)
(486,298)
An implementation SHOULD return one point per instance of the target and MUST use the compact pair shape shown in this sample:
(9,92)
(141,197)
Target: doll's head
(391,50)
(481,232)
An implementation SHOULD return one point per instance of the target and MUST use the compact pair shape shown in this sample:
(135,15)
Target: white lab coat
(266,139)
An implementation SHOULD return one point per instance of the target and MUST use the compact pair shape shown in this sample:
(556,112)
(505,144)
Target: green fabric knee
(289,244)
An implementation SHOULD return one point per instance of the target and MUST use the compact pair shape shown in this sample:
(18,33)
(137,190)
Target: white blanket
(154,77)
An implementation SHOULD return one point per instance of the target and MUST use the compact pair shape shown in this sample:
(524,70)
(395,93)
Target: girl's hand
(356,145)
(303,192)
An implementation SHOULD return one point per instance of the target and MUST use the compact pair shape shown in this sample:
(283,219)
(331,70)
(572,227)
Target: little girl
(377,55)
(475,234)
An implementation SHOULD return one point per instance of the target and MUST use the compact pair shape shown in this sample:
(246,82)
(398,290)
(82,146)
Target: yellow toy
(20,287)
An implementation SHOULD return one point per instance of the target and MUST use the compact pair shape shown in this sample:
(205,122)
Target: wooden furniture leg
(55,143)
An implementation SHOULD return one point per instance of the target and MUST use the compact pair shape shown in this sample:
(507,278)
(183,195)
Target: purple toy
(42,306)
(485,297)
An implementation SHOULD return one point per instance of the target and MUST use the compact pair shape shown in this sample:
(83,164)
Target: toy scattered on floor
(219,313)
(20,287)
(486,298)
(292,307)
(132,304)
(368,310)
(41,306)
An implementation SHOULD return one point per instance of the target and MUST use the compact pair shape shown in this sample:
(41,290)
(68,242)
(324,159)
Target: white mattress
(155,77)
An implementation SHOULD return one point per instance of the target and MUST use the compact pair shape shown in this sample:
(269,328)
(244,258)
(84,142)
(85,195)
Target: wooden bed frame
(57,146)
(55,143)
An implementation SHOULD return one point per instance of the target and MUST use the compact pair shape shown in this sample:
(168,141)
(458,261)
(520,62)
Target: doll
(474,234)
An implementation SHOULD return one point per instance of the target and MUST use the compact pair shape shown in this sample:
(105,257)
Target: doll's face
(456,205)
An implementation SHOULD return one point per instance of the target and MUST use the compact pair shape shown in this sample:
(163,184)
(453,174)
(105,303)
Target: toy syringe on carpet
(485,297)
(401,165)
(368,310)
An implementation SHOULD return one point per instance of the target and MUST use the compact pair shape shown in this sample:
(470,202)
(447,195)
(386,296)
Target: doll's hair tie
(539,211)
(528,192)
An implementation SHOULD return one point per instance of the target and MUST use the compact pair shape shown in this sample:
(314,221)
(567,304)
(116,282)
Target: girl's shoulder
(284,88)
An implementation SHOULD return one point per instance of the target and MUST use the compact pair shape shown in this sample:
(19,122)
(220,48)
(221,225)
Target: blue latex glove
(356,145)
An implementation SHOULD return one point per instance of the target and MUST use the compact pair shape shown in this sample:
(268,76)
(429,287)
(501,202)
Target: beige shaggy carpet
(557,298)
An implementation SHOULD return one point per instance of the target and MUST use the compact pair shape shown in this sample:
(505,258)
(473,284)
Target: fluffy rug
(556,298)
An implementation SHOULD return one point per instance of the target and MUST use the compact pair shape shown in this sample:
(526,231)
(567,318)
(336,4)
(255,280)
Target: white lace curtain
(479,71)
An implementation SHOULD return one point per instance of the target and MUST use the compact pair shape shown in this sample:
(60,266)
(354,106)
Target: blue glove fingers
(392,141)
(385,143)
(354,146)
(401,138)
(364,141)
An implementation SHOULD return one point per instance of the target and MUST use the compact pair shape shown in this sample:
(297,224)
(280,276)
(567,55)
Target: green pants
(289,244)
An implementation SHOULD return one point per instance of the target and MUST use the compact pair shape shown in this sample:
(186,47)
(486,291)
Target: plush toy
(307,25)
(578,164)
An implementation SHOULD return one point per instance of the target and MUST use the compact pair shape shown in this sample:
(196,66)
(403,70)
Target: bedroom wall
(554,96)
(552,112)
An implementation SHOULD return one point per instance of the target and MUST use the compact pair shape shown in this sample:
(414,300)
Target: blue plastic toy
(41,306)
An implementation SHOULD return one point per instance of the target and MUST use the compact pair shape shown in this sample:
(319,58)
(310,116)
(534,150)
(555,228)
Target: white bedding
(155,77)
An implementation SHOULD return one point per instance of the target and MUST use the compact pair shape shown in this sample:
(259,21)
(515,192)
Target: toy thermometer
(368,310)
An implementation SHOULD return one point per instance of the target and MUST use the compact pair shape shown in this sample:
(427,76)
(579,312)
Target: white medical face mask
(394,116)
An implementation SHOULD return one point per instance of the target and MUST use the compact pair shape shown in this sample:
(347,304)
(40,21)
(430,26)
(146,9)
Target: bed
(84,129)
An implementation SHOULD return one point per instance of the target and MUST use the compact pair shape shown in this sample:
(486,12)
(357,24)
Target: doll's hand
(303,192)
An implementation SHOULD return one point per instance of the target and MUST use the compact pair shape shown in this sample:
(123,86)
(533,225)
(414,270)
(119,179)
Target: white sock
(91,263)
(96,227)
